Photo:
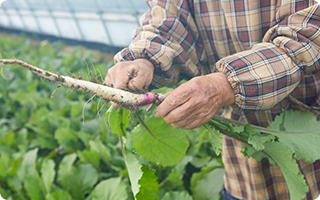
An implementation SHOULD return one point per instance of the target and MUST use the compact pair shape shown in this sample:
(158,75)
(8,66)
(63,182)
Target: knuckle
(196,82)
(189,90)
(178,116)
(199,101)
(206,115)
(172,100)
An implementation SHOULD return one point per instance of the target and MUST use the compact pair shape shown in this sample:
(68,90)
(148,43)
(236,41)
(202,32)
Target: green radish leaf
(65,168)
(101,149)
(87,176)
(84,137)
(258,140)
(74,187)
(47,174)
(5,164)
(15,184)
(247,132)
(59,195)
(149,186)
(199,175)
(216,139)
(78,181)
(62,134)
(28,164)
(8,138)
(110,189)
(301,133)
(252,152)
(118,120)
(144,183)
(90,156)
(134,171)
(209,185)
(76,109)
(177,196)
(44,142)
(167,146)
(34,185)
(175,178)
(3,194)
(279,154)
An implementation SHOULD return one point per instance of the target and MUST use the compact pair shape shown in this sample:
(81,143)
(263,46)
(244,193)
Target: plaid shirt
(269,51)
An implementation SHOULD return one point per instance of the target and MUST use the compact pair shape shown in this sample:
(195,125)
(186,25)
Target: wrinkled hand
(195,102)
(134,75)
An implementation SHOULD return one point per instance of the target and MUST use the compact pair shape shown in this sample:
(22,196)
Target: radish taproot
(123,98)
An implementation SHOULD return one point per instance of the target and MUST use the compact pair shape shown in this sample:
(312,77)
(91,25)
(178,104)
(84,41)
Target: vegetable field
(56,143)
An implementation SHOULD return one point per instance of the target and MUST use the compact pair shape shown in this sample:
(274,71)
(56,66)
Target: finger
(179,113)
(194,124)
(114,104)
(121,79)
(185,122)
(197,117)
(141,79)
(190,122)
(108,80)
(118,75)
(137,84)
(175,99)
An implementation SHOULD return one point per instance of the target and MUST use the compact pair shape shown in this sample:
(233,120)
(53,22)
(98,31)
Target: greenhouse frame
(106,22)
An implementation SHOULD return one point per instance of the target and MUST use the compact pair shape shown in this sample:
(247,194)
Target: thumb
(143,75)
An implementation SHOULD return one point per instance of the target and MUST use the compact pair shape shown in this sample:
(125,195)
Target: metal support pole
(72,14)
(53,19)
(34,16)
(103,22)
(19,14)
(8,17)
(75,20)
(135,12)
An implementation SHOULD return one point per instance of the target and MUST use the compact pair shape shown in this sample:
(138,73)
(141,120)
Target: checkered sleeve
(166,37)
(268,72)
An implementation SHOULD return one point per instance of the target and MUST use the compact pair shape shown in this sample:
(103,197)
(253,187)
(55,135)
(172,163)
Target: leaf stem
(260,128)
(122,150)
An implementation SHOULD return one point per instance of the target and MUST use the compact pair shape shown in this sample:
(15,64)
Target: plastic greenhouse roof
(108,22)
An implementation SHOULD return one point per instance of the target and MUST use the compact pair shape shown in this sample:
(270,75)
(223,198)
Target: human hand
(195,102)
(134,75)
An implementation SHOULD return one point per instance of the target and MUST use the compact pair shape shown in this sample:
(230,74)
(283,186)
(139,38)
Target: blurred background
(107,25)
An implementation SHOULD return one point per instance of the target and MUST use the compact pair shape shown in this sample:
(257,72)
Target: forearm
(259,80)
(264,75)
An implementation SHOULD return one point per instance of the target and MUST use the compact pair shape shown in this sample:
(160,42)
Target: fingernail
(134,84)
(135,73)
(161,97)
(157,114)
